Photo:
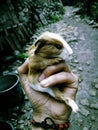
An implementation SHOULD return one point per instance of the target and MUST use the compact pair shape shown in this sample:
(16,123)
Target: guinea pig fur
(48,49)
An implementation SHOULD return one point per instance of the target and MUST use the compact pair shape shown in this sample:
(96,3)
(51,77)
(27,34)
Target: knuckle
(76,81)
(48,70)
(75,77)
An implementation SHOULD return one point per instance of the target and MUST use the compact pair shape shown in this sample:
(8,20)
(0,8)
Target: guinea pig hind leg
(70,102)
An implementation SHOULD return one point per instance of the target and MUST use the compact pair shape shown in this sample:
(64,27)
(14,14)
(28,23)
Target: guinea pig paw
(58,60)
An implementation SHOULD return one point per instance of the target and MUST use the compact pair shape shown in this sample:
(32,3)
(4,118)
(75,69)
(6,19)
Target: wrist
(48,123)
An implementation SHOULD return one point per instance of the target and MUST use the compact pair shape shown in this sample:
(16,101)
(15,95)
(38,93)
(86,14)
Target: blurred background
(19,19)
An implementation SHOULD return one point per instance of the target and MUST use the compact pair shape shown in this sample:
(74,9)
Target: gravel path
(84,41)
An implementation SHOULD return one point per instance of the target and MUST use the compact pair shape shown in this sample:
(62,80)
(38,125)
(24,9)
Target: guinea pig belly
(37,87)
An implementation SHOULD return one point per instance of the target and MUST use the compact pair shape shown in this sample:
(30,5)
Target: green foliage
(54,17)
(20,55)
(54,12)
(88,7)
(94,10)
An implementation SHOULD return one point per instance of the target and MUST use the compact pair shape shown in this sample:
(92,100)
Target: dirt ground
(86,66)
(83,39)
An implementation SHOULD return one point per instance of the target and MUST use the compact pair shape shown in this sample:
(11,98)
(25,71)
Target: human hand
(43,104)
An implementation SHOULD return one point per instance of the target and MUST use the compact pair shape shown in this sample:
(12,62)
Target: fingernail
(43,83)
(42,77)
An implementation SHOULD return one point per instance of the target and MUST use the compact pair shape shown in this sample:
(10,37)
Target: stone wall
(20,18)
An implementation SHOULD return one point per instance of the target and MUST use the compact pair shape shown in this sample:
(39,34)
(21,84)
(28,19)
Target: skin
(43,104)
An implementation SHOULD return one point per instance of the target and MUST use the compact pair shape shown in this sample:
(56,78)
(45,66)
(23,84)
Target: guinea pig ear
(36,42)
(31,49)
(39,44)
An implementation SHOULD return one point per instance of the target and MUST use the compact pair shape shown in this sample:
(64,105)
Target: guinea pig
(48,49)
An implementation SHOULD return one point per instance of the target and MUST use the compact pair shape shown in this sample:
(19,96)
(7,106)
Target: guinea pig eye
(58,46)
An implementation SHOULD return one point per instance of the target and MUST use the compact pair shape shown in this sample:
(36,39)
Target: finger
(59,78)
(23,69)
(54,69)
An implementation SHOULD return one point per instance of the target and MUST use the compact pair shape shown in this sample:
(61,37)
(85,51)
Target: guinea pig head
(51,45)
